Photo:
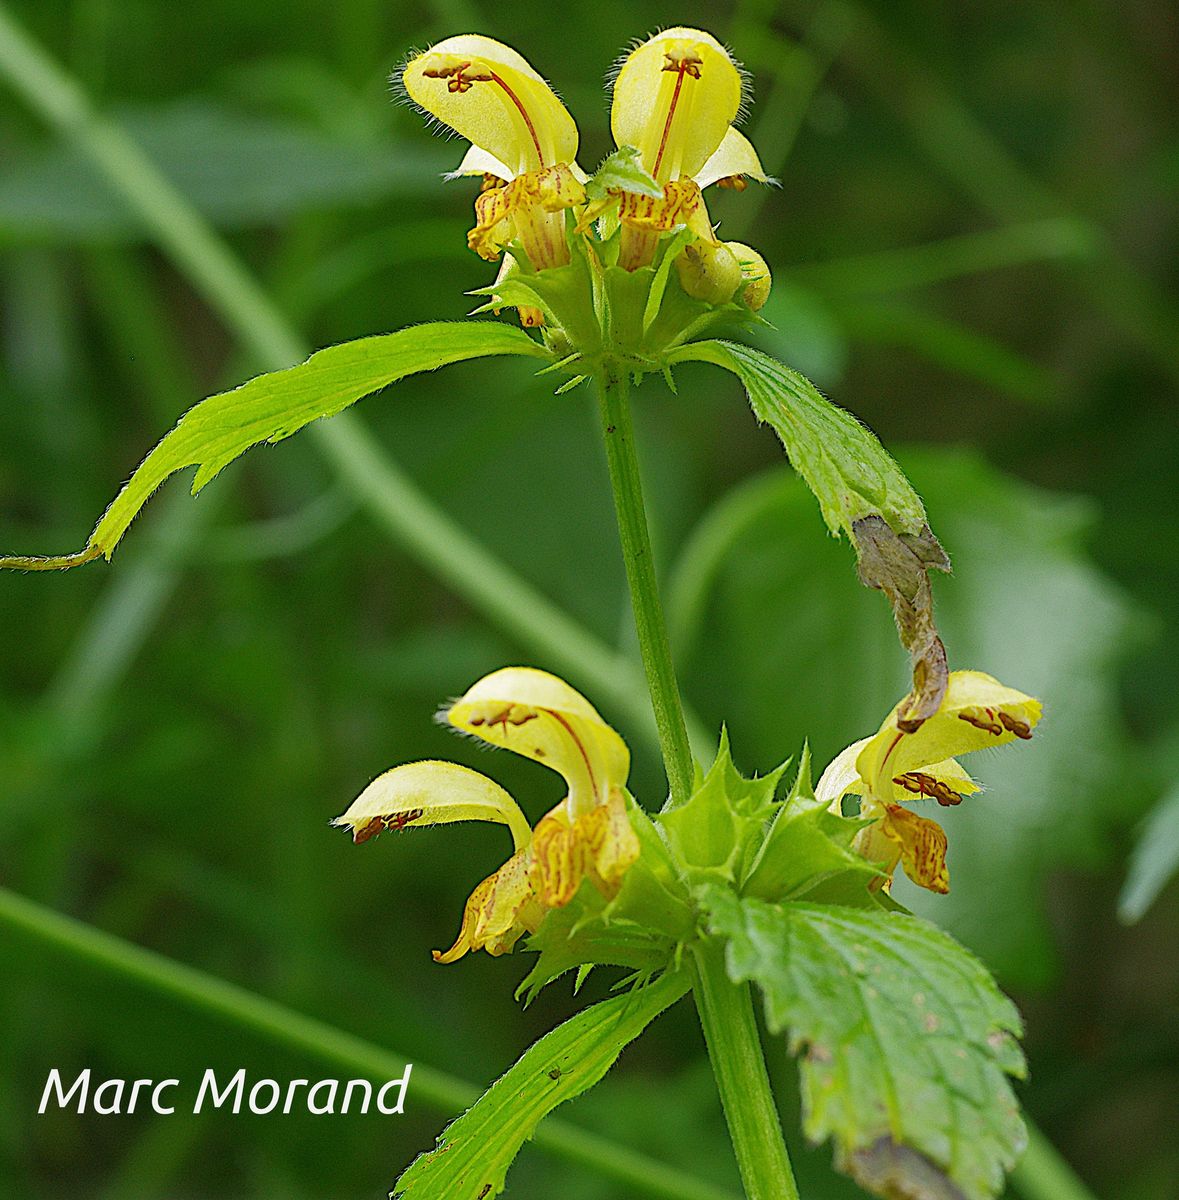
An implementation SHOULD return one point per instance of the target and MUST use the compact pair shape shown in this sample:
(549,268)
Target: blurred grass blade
(474,1153)
(238,169)
(271,407)
(1154,860)
(220,999)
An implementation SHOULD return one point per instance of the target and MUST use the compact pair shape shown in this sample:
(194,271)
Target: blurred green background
(974,249)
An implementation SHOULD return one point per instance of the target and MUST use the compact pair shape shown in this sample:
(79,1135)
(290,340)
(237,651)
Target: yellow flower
(587,836)
(523,142)
(977,711)
(675,99)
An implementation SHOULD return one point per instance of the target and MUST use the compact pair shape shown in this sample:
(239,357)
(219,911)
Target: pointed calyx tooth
(898,565)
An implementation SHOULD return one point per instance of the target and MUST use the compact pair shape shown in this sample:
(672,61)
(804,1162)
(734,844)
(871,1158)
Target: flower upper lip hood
(676,97)
(892,765)
(587,836)
(493,97)
(541,717)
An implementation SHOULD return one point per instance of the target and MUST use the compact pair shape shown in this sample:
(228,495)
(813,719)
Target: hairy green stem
(730,1030)
(627,485)
(219,999)
(726,1009)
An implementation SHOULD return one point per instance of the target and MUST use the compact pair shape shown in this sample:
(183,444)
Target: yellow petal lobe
(493,97)
(528,208)
(977,711)
(541,717)
(735,158)
(432,793)
(675,98)
(498,912)
(922,844)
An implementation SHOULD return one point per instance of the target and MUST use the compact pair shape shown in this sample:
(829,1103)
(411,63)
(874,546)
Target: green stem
(81,943)
(1042,1174)
(726,1009)
(627,485)
(730,1030)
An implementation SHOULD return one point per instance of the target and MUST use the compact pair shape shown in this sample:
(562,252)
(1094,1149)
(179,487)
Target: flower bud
(754,272)
(709,272)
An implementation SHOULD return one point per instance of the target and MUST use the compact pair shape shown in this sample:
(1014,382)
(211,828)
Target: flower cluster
(587,836)
(675,100)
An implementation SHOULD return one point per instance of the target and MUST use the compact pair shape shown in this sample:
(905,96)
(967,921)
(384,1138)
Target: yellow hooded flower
(587,836)
(675,99)
(977,711)
(523,142)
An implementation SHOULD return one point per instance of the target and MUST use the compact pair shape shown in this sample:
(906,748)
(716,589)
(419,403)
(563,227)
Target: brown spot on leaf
(897,1172)
(898,565)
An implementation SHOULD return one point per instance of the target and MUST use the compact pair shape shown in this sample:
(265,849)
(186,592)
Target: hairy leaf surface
(474,1152)
(905,1043)
(271,407)
(842,461)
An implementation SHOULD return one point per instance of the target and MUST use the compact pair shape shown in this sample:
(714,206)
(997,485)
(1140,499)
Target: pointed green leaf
(807,846)
(714,832)
(623,171)
(842,461)
(474,1152)
(272,407)
(905,1043)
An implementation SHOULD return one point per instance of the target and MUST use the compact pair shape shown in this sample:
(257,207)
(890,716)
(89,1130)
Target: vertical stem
(730,1031)
(726,1009)
(618,432)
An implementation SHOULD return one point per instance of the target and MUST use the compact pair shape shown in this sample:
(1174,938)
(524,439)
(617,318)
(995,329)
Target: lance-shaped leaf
(905,1043)
(271,407)
(843,463)
(474,1153)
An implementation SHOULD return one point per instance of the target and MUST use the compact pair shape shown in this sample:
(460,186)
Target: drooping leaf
(762,599)
(843,463)
(474,1152)
(274,406)
(905,1043)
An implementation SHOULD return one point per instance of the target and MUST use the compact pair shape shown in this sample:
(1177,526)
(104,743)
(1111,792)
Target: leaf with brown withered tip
(898,1172)
(899,566)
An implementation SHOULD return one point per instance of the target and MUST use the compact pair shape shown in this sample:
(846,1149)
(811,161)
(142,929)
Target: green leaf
(905,1043)
(623,171)
(1154,861)
(762,598)
(843,463)
(474,1152)
(271,407)
(806,846)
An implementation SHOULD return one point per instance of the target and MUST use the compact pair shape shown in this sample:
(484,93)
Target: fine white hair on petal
(745,75)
